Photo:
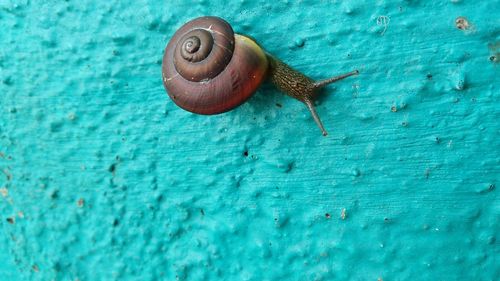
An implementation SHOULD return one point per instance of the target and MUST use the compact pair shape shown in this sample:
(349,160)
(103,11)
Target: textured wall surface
(102,177)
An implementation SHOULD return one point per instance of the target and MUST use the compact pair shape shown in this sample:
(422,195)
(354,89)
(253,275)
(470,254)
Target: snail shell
(208,69)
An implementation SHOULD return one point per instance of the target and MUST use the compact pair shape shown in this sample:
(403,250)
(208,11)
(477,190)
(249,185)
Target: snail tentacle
(323,83)
(315,116)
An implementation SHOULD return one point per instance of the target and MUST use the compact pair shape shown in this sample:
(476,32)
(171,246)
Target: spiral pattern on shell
(207,69)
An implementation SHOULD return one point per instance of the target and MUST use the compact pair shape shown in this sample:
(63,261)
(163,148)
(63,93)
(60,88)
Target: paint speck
(7,174)
(491,240)
(112,168)
(4,191)
(80,203)
(459,83)
(427,173)
(462,23)
(300,42)
(356,172)
(450,144)
(486,188)
(348,9)
(384,22)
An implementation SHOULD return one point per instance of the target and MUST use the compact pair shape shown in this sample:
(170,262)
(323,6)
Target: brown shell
(213,81)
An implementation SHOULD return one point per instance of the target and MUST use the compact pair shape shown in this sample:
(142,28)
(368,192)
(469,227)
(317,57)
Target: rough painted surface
(103,178)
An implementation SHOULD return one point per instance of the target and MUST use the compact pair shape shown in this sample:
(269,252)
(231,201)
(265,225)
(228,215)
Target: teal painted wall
(104,178)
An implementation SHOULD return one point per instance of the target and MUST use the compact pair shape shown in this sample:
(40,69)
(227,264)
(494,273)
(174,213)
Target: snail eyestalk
(323,83)
(315,116)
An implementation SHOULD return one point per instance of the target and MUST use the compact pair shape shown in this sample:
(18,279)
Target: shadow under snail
(208,69)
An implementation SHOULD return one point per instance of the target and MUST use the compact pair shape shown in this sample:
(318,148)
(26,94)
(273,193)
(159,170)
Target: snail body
(208,69)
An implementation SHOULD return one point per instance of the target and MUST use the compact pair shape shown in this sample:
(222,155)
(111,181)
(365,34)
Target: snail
(209,69)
